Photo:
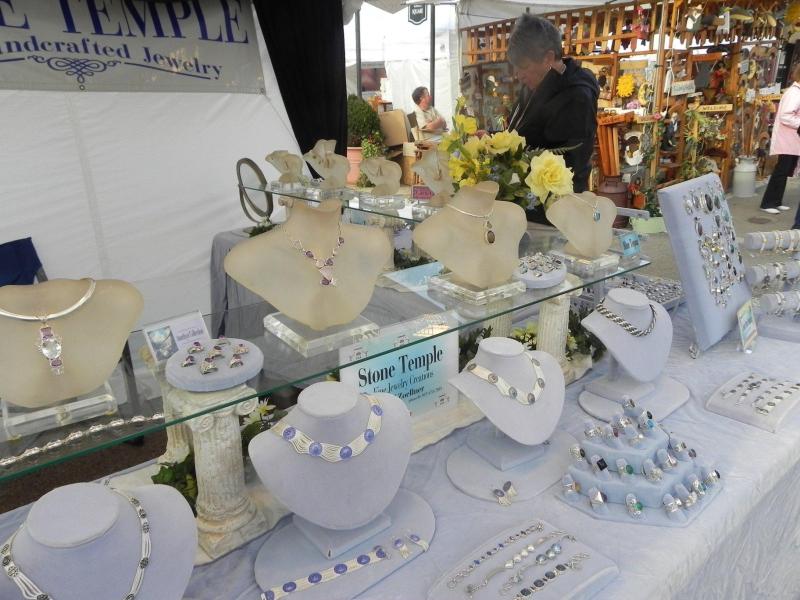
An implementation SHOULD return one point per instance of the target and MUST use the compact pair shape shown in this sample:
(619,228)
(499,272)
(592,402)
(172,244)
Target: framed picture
(165,338)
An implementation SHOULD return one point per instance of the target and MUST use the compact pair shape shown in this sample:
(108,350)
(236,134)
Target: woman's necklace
(516,117)
(595,211)
(323,265)
(49,343)
(488,229)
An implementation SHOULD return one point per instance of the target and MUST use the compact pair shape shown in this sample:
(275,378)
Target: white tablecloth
(745,545)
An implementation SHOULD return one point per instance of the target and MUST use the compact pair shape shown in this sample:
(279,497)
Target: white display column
(226,515)
(554,328)
(179,441)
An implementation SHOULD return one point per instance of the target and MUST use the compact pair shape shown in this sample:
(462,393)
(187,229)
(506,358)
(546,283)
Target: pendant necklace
(595,211)
(49,343)
(323,265)
(488,229)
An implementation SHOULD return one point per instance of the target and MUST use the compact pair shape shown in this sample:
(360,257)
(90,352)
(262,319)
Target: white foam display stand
(582,266)
(532,469)
(745,413)
(310,342)
(544,281)
(193,380)
(603,397)
(289,555)
(711,322)
(594,574)
(779,328)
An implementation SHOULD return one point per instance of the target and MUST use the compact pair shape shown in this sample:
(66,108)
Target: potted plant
(362,122)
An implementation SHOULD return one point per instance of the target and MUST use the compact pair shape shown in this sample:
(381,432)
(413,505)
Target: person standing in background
(558,104)
(786,144)
(429,122)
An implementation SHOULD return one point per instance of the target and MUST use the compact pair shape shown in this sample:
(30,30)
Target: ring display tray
(779,328)
(448,285)
(588,267)
(593,574)
(725,401)
(18,421)
(310,342)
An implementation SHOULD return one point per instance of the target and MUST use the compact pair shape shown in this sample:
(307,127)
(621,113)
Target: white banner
(129,45)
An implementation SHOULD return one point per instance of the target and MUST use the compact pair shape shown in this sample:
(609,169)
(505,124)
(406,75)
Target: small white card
(165,338)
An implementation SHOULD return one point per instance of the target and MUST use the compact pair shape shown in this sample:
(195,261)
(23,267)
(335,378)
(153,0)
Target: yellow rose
(456,167)
(474,146)
(447,140)
(466,124)
(549,174)
(505,141)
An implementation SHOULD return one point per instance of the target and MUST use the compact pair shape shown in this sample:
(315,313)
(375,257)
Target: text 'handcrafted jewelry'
(30,591)
(628,327)
(475,563)
(303,444)
(339,569)
(488,229)
(323,265)
(49,343)
(557,571)
(510,391)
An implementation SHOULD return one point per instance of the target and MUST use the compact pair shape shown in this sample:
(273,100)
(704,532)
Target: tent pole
(358,53)
(433,54)
(660,74)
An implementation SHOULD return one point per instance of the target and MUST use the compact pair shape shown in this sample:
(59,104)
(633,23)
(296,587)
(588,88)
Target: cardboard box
(395,127)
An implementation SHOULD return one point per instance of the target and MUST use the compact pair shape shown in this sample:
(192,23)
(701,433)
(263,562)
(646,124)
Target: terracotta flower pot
(355,157)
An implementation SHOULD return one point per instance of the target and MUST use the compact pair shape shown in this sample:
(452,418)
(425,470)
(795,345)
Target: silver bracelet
(77,436)
(551,554)
(560,569)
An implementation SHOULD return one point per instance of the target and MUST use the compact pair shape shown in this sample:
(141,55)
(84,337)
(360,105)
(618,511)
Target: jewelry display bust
(85,541)
(586,221)
(331,166)
(88,339)
(474,236)
(434,170)
(384,173)
(277,266)
(348,492)
(289,165)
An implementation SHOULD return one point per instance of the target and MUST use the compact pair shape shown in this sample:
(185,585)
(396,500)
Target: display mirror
(251,178)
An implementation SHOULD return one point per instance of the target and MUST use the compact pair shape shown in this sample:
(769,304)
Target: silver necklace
(49,343)
(323,265)
(595,211)
(30,591)
(488,229)
(628,327)
(303,444)
(510,391)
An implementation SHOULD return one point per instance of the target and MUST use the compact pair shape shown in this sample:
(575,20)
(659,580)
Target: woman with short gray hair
(557,106)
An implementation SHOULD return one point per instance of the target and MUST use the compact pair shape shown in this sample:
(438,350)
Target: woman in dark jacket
(557,106)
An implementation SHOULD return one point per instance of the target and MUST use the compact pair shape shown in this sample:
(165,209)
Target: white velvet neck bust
(345,494)
(269,266)
(93,337)
(573,214)
(83,541)
(457,240)
(385,174)
(527,425)
(643,358)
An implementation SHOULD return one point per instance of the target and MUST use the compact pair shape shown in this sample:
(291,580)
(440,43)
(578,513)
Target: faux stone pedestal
(179,440)
(554,328)
(226,515)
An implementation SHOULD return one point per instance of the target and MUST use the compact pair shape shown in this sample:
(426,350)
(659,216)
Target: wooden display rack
(609,36)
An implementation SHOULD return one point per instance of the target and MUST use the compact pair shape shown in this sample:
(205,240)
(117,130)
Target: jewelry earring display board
(534,554)
(755,399)
(62,338)
(318,272)
(86,540)
(520,444)
(336,461)
(227,362)
(638,335)
(704,243)
(331,166)
(475,237)
(633,471)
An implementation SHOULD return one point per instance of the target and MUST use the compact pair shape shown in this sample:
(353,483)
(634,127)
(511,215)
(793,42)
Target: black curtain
(305,40)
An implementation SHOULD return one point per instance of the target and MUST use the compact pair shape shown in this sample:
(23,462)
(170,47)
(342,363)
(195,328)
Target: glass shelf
(398,206)
(401,297)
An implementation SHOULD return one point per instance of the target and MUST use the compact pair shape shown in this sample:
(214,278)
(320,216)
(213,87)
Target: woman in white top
(429,122)
(786,144)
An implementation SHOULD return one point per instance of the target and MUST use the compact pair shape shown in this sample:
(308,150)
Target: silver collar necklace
(30,591)
(49,343)
(510,391)
(628,327)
